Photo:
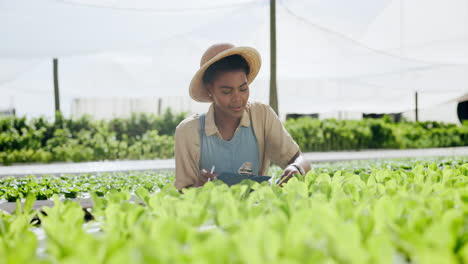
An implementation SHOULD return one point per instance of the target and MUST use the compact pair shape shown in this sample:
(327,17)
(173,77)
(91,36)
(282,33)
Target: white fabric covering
(359,56)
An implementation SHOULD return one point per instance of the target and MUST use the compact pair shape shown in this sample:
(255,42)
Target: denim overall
(239,155)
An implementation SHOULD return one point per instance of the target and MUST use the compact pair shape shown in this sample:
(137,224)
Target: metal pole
(159,106)
(416,110)
(273,87)
(56,86)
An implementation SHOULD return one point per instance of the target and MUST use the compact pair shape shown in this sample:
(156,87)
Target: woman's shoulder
(259,109)
(256,106)
(190,123)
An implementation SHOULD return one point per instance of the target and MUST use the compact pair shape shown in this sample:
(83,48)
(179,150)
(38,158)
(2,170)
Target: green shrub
(40,140)
(145,136)
(331,134)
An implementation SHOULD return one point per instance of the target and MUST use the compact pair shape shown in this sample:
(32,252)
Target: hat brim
(197,89)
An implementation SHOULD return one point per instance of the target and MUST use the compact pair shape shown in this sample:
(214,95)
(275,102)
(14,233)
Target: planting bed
(390,211)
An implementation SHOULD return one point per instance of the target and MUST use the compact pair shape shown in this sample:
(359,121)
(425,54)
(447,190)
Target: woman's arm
(187,151)
(297,165)
(280,146)
(187,155)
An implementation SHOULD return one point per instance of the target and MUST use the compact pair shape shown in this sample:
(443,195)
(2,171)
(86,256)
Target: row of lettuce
(81,185)
(145,136)
(377,216)
(43,187)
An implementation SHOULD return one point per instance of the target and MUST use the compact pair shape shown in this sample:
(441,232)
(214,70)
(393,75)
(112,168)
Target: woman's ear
(209,88)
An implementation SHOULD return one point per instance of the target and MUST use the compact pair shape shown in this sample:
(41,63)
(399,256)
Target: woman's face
(230,93)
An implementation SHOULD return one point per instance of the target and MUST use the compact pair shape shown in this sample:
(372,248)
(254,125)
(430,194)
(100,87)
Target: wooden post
(273,87)
(56,86)
(416,109)
(159,106)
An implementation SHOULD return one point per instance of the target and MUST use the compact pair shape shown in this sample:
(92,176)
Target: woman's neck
(224,122)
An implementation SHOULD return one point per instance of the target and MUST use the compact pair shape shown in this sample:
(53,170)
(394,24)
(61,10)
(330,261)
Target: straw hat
(197,89)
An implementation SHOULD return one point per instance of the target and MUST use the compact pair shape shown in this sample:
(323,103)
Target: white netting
(360,56)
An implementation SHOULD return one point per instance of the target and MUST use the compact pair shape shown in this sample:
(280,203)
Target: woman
(234,136)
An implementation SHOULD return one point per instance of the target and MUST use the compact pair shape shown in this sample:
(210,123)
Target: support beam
(273,87)
(416,108)
(159,106)
(56,86)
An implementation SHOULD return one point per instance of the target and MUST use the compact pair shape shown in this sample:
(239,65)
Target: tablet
(234,178)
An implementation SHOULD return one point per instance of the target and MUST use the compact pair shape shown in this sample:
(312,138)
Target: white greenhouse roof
(364,56)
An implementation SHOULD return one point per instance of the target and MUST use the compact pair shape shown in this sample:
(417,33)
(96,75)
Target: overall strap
(202,135)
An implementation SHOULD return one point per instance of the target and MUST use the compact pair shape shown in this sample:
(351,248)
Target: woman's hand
(288,173)
(206,176)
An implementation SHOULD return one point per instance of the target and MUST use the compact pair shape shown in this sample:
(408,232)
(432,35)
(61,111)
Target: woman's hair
(229,63)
